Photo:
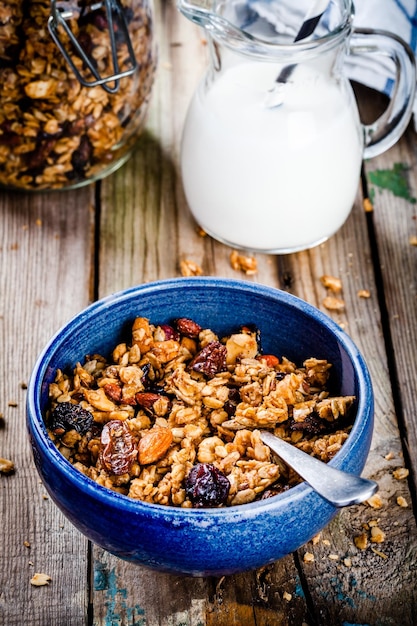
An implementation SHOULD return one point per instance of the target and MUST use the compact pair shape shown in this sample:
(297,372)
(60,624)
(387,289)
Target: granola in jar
(173,416)
(60,125)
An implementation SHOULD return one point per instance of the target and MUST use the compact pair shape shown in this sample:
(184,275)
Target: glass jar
(75,82)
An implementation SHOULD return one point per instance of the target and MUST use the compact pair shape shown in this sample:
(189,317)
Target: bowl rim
(36,422)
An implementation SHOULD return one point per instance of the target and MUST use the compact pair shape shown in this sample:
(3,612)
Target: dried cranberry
(169,332)
(206,486)
(210,360)
(118,450)
(67,416)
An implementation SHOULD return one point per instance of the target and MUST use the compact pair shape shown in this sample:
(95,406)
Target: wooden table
(60,251)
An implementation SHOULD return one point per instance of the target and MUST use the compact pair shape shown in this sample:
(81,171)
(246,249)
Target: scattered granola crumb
(331,282)
(326,542)
(308,557)
(287,596)
(45,497)
(38,222)
(241,262)
(379,553)
(39,580)
(375,501)
(334,557)
(23,385)
(190,268)
(367,205)
(361,541)
(2,420)
(400,473)
(6,466)
(364,293)
(377,535)
(12,403)
(347,561)
(413,240)
(26,544)
(389,456)
(201,232)
(334,304)
(316,539)
(401,501)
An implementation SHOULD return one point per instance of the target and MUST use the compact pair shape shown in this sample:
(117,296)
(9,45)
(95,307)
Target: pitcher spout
(203,13)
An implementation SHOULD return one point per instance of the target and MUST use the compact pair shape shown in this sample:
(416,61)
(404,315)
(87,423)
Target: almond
(154,445)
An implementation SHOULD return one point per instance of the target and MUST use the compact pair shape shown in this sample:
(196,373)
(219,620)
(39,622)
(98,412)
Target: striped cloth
(396,16)
(261,17)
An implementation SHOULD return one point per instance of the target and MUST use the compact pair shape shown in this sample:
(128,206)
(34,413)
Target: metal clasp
(115,16)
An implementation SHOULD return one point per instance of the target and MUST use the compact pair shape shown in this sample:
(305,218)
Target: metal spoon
(337,487)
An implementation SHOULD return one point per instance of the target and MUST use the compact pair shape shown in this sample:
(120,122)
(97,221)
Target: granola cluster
(55,132)
(173,417)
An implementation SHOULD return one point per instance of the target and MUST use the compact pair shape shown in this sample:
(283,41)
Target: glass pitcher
(272,143)
(75,81)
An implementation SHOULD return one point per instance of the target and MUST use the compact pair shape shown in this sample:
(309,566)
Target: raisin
(206,486)
(274,490)
(280,375)
(232,402)
(188,327)
(67,416)
(82,156)
(118,450)
(210,360)
(312,425)
(146,368)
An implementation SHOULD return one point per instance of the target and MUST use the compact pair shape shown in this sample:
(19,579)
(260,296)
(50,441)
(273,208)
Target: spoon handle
(337,487)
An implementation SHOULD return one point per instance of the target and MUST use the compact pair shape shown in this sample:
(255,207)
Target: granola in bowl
(172,417)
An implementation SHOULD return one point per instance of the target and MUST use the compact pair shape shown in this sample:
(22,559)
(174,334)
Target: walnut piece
(6,466)
(40,580)
(331,282)
(243,263)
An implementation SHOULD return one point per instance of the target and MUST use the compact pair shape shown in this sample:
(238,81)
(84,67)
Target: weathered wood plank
(340,593)
(46,249)
(392,180)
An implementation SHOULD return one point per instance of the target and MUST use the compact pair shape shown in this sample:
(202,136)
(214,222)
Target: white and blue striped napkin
(395,16)
(376,71)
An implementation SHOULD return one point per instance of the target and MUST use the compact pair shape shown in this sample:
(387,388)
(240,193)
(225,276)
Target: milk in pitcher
(268,178)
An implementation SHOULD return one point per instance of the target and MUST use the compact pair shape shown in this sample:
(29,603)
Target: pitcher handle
(388,128)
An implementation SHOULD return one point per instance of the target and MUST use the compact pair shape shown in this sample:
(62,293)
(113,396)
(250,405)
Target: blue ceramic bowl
(199,541)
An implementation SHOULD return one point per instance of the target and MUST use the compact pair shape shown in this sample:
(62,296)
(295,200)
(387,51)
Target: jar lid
(116,23)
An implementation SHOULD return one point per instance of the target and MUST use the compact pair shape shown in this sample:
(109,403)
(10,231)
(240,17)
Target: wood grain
(61,250)
(45,276)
